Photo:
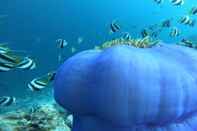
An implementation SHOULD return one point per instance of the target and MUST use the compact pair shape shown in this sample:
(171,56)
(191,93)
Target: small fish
(4,67)
(4,48)
(8,57)
(144,33)
(51,75)
(174,32)
(166,23)
(193,11)
(114,27)
(126,36)
(187,21)
(187,43)
(177,2)
(36,85)
(155,34)
(158,1)
(62,43)
(7,100)
(60,57)
(27,64)
(73,49)
(40,83)
(79,40)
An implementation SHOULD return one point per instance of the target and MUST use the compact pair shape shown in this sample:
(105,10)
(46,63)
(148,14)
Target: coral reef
(47,117)
(145,42)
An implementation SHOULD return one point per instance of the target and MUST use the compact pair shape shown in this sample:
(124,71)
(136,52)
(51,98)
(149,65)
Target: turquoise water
(34,26)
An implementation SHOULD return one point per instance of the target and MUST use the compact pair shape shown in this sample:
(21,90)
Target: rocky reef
(46,117)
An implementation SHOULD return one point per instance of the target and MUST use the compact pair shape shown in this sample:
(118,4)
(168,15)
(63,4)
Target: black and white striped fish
(27,64)
(174,32)
(188,43)
(114,27)
(177,2)
(3,48)
(4,67)
(126,36)
(9,58)
(186,20)
(7,100)
(37,85)
(144,33)
(40,83)
(158,1)
(61,43)
(193,11)
(166,23)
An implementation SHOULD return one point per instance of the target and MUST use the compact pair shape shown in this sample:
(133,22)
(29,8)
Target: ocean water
(34,26)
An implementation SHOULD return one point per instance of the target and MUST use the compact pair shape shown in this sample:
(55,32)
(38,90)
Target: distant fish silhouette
(7,100)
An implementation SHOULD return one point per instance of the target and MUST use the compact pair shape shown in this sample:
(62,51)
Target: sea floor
(39,113)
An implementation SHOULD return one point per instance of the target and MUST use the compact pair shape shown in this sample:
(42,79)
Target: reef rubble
(45,117)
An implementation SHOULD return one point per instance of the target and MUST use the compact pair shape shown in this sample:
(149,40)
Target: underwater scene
(98,65)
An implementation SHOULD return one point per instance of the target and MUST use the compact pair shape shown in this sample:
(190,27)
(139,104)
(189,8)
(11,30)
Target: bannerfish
(9,58)
(73,49)
(193,11)
(188,43)
(144,33)
(126,36)
(51,75)
(4,67)
(174,32)
(61,43)
(166,23)
(37,85)
(27,64)
(186,20)
(40,83)
(79,40)
(3,48)
(158,1)
(7,100)
(114,27)
(177,2)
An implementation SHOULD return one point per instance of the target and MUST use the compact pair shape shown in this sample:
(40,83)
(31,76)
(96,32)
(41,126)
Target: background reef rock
(47,117)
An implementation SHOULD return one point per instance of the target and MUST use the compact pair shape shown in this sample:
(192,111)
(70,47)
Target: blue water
(34,26)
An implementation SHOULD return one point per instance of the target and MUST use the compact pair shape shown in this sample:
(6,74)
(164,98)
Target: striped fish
(9,58)
(193,11)
(27,64)
(114,27)
(62,43)
(7,100)
(144,33)
(186,20)
(4,67)
(174,32)
(177,2)
(37,85)
(158,1)
(3,48)
(126,36)
(40,83)
(188,43)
